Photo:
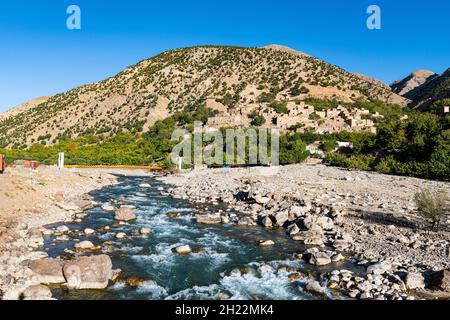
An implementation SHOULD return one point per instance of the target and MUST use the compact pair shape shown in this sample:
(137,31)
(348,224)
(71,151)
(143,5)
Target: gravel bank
(30,200)
(369,218)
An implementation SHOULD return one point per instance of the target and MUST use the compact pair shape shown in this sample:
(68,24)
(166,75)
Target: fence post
(61,160)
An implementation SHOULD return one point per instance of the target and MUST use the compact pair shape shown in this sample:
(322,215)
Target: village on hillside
(297,117)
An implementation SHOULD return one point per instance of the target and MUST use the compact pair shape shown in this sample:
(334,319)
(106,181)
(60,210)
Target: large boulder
(314,237)
(341,244)
(246,222)
(125,214)
(440,280)
(48,271)
(414,280)
(267,222)
(314,287)
(319,259)
(292,229)
(213,218)
(297,211)
(84,245)
(312,221)
(261,199)
(280,218)
(184,249)
(92,272)
(379,268)
(36,292)
(84,204)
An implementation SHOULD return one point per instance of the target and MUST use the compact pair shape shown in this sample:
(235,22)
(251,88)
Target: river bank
(368,218)
(30,200)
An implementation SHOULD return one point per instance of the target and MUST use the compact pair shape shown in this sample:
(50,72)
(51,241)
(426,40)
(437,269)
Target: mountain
(23,107)
(185,79)
(414,80)
(435,91)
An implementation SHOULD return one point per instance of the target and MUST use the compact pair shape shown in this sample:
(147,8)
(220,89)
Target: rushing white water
(226,263)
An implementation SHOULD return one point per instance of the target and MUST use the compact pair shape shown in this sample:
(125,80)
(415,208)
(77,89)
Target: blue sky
(40,56)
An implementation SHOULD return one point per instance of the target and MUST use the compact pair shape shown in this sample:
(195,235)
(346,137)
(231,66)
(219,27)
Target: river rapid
(227,263)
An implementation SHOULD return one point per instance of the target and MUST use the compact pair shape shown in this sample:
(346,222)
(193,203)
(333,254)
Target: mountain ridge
(412,81)
(185,79)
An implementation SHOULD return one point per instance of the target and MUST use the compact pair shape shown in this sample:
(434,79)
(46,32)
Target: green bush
(280,107)
(432,205)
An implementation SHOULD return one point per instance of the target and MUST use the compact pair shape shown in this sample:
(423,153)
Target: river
(227,263)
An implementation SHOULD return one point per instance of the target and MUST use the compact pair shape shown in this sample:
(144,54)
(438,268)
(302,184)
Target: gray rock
(266,243)
(145,231)
(62,229)
(292,229)
(312,221)
(89,231)
(48,271)
(88,272)
(281,218)
(341,245)
(246,221)
(213,218)
(261,200)
(337,258)
(414,280)
(379,268)
(267,222)
(297,211)
(315,288)
(319,259)
(36,292)
(35,233)
(313,237)
(125,214)
(84,245)
(108,208)
(184,249)
(225,219)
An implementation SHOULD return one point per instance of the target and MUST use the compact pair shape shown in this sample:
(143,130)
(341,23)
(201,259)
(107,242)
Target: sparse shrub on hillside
(257,119)
(314,117)
(266,97)
(280,107)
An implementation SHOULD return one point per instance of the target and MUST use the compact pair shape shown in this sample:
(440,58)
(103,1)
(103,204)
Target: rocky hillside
(414,80)
(434,92)
(184,79)
(23,107)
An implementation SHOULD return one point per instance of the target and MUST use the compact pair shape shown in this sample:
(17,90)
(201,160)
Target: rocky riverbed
(367,218)
(31,199)
(301,231)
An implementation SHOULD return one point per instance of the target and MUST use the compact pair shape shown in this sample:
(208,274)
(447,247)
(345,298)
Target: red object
(31,164)
(2,163)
